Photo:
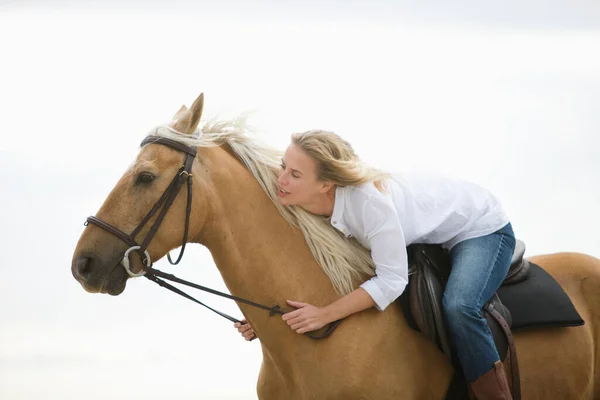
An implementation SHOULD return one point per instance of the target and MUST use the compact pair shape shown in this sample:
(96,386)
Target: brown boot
(492,385)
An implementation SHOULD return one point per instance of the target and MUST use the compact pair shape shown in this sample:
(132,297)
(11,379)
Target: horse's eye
(145,177)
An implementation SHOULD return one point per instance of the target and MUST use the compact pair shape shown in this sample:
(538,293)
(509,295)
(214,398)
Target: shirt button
(334,222)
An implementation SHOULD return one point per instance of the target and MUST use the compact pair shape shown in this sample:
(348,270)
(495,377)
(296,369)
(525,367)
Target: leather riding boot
(492,385)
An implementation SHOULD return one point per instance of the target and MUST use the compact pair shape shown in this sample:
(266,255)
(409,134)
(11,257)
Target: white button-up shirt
(417,208)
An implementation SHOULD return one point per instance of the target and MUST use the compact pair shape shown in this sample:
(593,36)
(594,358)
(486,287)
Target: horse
(268,256)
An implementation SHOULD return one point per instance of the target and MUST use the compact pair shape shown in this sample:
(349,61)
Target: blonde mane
(344,260)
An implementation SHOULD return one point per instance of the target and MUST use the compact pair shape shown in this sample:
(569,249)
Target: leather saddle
(431,265)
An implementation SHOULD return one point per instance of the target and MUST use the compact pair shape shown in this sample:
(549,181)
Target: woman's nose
(281,179)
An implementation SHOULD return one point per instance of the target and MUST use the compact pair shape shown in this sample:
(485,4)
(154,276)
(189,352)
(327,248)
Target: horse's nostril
(83,268)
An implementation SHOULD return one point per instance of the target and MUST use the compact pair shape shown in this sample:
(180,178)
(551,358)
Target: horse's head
(97,261)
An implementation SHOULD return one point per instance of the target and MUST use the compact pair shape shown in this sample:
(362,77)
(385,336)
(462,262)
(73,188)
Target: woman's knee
(457,308)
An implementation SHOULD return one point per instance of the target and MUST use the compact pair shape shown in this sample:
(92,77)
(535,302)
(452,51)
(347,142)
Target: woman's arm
(384,232)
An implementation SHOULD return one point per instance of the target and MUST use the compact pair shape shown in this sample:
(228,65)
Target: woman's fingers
(248,333)
(238,324)
(297,304)
(245,329)
(292,314)
(296,321)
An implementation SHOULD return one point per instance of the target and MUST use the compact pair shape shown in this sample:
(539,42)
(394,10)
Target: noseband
(163,204)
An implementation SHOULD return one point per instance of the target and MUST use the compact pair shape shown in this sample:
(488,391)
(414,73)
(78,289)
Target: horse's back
(546,355)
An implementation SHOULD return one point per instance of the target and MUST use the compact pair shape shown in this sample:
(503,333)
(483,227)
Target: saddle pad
(538,302)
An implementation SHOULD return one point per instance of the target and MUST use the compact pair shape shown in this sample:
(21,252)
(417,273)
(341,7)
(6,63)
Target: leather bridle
(184,174)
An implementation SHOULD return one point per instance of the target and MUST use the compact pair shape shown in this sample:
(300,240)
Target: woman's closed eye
(294,173)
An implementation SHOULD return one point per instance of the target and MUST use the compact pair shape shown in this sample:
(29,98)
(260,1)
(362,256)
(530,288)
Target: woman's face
(298,183)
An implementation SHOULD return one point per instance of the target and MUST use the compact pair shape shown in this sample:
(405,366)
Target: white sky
(506,96)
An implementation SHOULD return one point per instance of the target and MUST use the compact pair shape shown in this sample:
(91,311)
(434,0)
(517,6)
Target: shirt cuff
(381,302)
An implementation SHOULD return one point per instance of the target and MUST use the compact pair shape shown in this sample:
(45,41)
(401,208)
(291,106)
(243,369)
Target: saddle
(431,264)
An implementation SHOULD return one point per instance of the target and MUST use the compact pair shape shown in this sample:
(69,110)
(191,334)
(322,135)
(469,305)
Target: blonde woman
(321,173)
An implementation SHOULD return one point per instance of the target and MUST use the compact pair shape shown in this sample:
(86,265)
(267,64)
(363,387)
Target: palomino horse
(261,256)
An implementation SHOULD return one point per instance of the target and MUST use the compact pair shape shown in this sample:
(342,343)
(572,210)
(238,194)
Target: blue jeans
(479,266)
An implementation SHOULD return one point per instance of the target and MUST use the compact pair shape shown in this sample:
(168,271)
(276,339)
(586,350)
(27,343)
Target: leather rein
(184,174)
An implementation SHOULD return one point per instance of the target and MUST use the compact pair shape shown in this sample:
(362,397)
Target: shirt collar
(339,205)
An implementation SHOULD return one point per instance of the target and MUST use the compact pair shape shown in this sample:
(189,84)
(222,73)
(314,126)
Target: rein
(154,275)
(184,174)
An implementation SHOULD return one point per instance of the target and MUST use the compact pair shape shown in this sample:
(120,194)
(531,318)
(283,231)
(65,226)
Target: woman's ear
(326,186)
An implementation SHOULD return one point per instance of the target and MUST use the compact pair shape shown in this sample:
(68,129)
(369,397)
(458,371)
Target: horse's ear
(179,113)
(197,108)
(186,121)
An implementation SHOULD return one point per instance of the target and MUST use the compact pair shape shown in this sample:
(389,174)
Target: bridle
(184,174)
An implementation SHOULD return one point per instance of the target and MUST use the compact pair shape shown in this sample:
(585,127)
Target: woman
(321,173)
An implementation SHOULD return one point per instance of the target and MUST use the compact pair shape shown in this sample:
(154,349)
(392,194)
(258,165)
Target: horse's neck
(260,256)
(263,259)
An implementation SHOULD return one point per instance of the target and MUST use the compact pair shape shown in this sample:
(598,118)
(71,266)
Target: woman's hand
(309,318)
(306,318)
(245,329)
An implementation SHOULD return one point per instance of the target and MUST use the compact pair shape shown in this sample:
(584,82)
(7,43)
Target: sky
(503,94)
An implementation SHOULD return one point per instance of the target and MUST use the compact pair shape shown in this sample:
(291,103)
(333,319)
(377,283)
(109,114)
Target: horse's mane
(343,259)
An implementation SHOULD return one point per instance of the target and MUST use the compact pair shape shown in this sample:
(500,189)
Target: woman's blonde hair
(336,160)
(345,261)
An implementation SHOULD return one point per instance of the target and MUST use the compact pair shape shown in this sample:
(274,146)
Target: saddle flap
(426,288)
(426,291)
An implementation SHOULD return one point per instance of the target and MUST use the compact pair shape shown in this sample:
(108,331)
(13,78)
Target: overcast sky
(510,14)
(504,94)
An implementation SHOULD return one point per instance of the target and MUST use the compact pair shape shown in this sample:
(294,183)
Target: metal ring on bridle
(125,262)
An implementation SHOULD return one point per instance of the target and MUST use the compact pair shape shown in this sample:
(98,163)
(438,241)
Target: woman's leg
(479,266)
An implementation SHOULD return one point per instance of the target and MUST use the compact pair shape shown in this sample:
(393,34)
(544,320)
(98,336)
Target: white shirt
(417,208)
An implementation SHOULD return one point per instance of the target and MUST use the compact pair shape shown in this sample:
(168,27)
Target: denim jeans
(479,266)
